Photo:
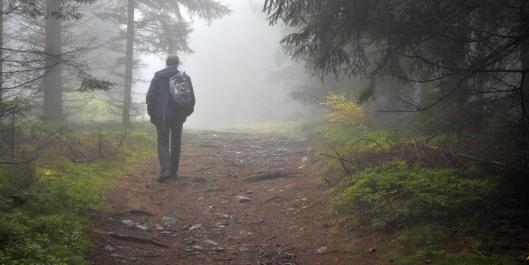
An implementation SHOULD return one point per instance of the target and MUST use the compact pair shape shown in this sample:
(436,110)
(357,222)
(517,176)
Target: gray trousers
(169,141)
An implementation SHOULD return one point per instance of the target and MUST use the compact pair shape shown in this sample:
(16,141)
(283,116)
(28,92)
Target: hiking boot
(171,177)
(164,176)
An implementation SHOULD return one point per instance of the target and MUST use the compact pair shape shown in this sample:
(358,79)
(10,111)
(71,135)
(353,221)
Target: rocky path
(241,199)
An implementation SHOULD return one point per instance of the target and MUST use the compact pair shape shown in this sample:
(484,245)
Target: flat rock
(195,227)
(211,242)
(320,251)
(242,199)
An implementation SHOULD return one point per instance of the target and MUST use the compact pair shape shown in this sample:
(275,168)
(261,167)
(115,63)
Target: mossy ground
(48,206)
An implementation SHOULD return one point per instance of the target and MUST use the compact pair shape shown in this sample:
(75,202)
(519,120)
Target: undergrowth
(48,206)
(432,207)
(440,215)
(395,194)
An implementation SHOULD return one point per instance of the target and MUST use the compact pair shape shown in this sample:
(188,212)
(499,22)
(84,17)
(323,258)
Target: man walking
(170,100)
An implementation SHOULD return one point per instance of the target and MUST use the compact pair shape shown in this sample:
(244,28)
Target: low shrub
(394,195)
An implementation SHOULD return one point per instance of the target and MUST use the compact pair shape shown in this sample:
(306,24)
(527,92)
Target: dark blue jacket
(158,105)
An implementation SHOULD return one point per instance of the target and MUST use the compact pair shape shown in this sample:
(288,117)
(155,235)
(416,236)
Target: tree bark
(1,55)
(127,93)
(524,89)
(524,59)
(52,85)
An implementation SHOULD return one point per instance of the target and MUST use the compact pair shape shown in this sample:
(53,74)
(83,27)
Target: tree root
(137,239)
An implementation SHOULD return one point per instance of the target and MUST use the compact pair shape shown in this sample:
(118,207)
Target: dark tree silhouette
(469,58)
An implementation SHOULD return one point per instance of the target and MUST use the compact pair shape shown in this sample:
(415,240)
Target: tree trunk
(52,85)
(1,56)
(127,97)
(524,91)
(524,58)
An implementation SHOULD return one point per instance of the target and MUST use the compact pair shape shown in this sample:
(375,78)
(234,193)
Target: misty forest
(264,132)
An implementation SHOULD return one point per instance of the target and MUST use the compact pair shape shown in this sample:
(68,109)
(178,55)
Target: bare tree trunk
(52,86)
(127,97)
(524,58)
(1,53)
(524,90)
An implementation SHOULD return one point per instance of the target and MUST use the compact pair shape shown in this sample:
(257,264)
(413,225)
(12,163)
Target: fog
(235,70)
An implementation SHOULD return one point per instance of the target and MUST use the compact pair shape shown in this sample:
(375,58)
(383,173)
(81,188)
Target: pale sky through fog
(232,69)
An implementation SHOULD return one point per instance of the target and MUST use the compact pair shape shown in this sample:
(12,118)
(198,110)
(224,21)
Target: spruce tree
(158,26)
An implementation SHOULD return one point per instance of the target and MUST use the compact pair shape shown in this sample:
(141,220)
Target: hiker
(170,100)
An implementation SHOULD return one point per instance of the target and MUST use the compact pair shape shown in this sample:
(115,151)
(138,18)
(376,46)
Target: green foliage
(163,26)
(396,194)
(474,259)
(458,64)
(350,139)
(90,83)
(439,245)
(400,39)
(69,9)
(45,218)
(42,238)
(360,147)
(435,213)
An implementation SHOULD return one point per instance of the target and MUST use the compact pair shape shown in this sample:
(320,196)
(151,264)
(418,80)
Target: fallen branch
(379,145)
(25,162)
(201,170)
(341,160)
(137,239)
(339,157)
(474,158)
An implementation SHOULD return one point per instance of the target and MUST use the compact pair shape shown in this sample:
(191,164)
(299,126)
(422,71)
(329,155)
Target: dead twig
(341,160)
(379,145)
(25,162)
(270,238)
(474,158)
(417,152)
(122,140)
(339,157)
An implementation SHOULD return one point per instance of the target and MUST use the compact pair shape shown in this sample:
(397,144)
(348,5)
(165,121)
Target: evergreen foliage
(163,26)
(461,63)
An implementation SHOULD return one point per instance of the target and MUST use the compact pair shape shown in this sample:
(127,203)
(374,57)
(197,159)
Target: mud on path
(240,199)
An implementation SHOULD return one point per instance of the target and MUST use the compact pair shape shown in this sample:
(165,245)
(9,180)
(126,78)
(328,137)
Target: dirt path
(242,199)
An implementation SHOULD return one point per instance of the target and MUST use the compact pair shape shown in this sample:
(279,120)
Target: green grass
(49,207)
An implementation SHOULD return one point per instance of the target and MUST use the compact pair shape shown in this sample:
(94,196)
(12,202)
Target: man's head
(172,60)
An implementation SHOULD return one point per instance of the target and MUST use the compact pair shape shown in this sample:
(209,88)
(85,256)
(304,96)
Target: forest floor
(241,198)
